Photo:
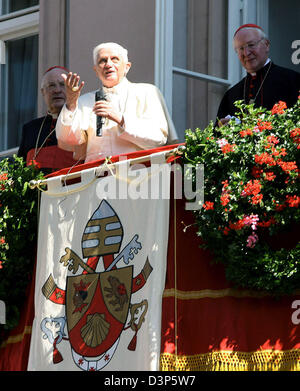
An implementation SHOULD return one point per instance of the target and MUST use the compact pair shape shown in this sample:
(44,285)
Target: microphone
(100,121)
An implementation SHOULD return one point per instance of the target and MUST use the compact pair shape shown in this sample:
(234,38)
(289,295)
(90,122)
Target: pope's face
(53,91)
(110,67)
(252,50)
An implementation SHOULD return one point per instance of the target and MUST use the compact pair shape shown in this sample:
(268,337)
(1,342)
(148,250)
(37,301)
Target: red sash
(52,157)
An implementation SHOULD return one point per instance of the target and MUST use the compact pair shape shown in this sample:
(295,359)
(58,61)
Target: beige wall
(51,39)
(70,29)
(128,22)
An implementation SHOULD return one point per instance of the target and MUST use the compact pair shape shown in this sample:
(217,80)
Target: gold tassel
(267,360)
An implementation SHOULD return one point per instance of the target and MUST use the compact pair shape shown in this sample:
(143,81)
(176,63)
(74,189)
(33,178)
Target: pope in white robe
(134,115)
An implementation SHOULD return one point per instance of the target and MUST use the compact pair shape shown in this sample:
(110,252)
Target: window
(194,67)
(195,60)
(19,26)
(283,22)
(199,69)
(9,6)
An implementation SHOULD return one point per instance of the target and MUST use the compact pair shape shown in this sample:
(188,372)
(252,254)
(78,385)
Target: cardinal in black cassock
(265,83)
(280,84)
(39,143)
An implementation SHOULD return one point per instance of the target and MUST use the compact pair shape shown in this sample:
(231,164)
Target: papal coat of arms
(97,304)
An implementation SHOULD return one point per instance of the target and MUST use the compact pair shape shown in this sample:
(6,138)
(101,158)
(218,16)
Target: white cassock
(147,123)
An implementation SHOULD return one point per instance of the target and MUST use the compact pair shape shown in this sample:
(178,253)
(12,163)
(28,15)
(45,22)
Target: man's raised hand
(73,89)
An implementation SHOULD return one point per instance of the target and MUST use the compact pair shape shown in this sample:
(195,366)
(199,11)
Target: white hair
(262,34)
(110,45)
(45,76)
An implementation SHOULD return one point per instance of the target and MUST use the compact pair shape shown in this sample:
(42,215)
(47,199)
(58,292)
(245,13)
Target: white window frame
(239,12)
(164,68)
(16,25)
(163,72)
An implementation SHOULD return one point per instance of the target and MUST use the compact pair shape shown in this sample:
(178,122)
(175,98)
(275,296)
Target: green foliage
(18,234)
(251,195)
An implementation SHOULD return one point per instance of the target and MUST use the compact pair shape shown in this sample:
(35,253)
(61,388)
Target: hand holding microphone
(105,109)
(99,96)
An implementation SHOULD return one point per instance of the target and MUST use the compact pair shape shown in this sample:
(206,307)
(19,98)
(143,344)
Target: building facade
(182,46)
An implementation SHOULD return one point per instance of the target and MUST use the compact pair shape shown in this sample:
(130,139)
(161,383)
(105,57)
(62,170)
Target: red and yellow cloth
(14,350)
(208,325)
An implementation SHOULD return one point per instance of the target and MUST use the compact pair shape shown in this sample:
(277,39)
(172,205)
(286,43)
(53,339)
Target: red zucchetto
(249,25)
(55,67)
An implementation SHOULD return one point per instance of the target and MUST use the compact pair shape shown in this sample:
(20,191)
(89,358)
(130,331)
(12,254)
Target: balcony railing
(8,152)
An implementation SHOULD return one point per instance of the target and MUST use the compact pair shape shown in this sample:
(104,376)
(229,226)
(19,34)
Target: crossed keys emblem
(94,325)
(73,261)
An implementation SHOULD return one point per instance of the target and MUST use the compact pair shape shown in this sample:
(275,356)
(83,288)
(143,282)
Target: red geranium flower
(252,188)
(227,148)
(208,205)
(287,166)
(269,176)
(279,108)
(247,132)
(34,163)
(262,125)
(256,199)
(265,158)
(293,201)
(272,139)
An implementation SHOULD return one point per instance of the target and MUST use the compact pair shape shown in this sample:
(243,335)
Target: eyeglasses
(52,86)
(250,46)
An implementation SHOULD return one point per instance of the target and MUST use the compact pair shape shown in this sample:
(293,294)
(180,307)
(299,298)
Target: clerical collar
(53,115)
(266,63)
(118,88)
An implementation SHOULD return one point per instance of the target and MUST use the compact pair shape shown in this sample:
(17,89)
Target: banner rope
(107,164)
(104,166)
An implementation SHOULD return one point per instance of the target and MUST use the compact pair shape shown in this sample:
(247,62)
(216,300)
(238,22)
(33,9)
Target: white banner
(100,274)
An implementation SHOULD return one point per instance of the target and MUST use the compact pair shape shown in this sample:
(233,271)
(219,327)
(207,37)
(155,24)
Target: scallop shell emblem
(95,330)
